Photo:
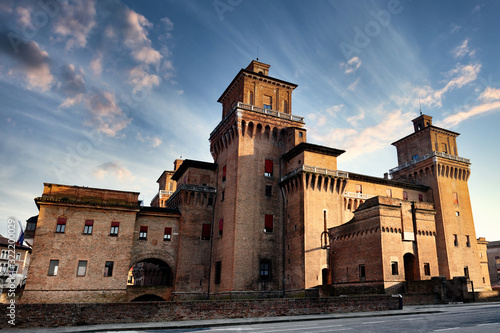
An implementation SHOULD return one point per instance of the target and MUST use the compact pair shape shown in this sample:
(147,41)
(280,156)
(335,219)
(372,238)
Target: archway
(150,272)
(410,263)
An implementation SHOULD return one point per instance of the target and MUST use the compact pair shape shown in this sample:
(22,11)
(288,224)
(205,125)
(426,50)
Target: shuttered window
(268,223)
(205,231)
(269,168)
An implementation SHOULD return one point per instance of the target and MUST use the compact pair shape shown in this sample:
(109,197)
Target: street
(463,318)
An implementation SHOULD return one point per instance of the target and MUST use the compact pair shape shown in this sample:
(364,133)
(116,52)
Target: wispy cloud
(75,22)
(106,116)
(352,65)
(463,50)
(113,169)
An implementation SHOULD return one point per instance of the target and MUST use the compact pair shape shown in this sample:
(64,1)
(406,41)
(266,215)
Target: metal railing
(427,156)
(358,195)
(274,113)
(323,171)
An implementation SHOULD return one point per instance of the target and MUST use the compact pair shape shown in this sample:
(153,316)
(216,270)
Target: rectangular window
(221,226)
(420,197)
(205,231)
(362,272)
(143,232)
(359,188)
(167,235)
(114,228)
(405,195)
(467,240)
(414,157)
(466,271)
(5,254)
(224,173)
(210,201)
(265,270)
(268,172)
(18,256)
(394,268)
(222,196)
(457,213)
(268,223)
(455,198)
(267,102)
(455,240)
(427,269)
(53,267)
(218,271)
(388,193)
(82,268)
(269,190)
(89,225)
(61,225)
(108,268)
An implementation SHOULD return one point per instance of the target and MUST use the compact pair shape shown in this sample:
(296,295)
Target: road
(463,318)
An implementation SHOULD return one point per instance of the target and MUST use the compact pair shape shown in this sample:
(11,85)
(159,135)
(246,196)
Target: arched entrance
(410,263)
(150,272)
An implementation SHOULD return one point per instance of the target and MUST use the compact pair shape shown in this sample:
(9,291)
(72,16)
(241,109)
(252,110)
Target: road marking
(487,324)
(447,329)
(301,328)
(374,322)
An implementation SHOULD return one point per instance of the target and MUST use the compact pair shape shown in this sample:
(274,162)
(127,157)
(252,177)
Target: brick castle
(271,216)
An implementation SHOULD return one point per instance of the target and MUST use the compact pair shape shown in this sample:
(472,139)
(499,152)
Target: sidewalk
(406,311)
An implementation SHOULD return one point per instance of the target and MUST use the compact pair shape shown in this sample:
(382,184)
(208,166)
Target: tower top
(258,67)
(421,122)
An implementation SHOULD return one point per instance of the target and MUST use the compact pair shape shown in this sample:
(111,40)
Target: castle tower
(429,156)
(257,128)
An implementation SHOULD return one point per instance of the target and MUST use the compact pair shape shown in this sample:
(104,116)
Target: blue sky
(108,93)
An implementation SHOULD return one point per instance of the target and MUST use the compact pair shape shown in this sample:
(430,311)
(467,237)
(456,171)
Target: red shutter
(89,222)
(221,224)
(205,231)
(224,171)
(61,220)
(420,197)
(115,224)
(268,222)
(269,166)
(168,231)
(144,229)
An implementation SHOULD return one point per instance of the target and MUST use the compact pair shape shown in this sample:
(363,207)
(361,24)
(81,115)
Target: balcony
(427,156)
(249,107)
(358,195)
(335,173)
(163,194)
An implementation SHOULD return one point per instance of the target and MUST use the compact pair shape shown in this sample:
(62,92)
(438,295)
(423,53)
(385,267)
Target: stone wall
(53,315)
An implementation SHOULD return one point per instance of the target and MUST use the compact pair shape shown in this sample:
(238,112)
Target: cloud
(477,8)
(140,78)
(106,116)
(113,169)
(490,99)
(459,77)
(153,141)
(75,22)
(167,25)
(72,85)
(463,49)
(351,66)
(335,109)
(353,85)
(31,60)
(96,64)
(354,120)
(136,38)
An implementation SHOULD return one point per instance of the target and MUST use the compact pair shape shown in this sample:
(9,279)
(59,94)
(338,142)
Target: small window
(89,225)
(301,134)
(359,188)
(108,268)
(268,172)
(218,271)
(222,196)
(466,272)
(414,157)
(82,268)
(394,268)
(18,256)
(420,197)
(268,223)
(210,201)
(455,240)
(362,272)
(61,225)
(221,226)
(265,270)
(5,254)
(53,267)
(467,240)
(30,226)
(205,231)
(224,173)
(114,228)
(388,193)
(445,148)
(427,269)
(143,232)
(457,213)
(405,195)
(455,198)
(269,190)
(167,234)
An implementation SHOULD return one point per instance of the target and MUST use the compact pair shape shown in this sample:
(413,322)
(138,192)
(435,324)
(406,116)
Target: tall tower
(429,156)
(257,128)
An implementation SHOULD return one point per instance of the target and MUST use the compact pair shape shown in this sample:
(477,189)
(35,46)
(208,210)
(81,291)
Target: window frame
(143,232)
(268,223)
(108,268)
(268,168)
(61,221)
(115,228)
(394,268)
(53,267)
(81,264)
(265,270)
(427,269)
(206,230)
(167,234)
(88,227)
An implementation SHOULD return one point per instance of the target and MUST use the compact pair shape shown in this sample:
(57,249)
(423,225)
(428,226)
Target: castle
(270,216)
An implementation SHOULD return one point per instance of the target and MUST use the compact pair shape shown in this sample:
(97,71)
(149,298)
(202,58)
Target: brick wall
(52,315)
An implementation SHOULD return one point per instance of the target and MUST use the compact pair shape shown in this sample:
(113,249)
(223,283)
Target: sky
(109,93)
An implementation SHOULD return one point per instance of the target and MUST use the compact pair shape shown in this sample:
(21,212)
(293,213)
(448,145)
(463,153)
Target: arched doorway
(410,263)
(150,272)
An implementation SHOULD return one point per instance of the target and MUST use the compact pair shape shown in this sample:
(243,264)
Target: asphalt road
(466,318)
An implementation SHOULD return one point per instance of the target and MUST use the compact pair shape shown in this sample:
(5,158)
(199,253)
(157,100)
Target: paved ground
(413,319)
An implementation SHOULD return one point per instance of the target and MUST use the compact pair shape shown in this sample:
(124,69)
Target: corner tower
(257,128)
(429,156)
